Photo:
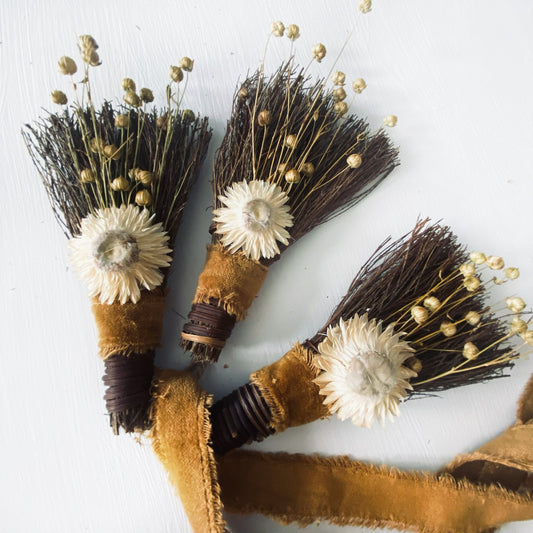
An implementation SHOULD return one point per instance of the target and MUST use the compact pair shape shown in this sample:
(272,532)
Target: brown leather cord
(128,379)
(240,418)
(128,395)
(280,395)
(210,341)
(209,321)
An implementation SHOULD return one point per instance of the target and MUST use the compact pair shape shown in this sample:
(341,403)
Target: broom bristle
(320,137)
(399,276)
(59,147)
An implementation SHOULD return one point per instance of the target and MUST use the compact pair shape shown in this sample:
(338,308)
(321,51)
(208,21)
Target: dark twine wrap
(240,418)
(209,324)
(128,380)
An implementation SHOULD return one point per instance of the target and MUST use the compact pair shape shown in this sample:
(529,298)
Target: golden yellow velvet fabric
(476,493)
(506,459)
(180,438)
(233,279)
(287,387)
(305,489)
(127,328)
(525,405)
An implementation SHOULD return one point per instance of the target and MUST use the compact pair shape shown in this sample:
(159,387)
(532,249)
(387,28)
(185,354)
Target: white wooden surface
(458,75)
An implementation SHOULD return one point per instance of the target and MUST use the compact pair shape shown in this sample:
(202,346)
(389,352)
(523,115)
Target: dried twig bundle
(118,177)
(290,160)
(86,165)
(414,321)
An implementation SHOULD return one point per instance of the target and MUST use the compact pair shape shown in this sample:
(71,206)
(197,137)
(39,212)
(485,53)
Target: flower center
(115,250)
(371,374)
(257,214)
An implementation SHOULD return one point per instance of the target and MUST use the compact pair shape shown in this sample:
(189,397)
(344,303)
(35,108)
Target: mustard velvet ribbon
(180,438)
(476,493)
(233,279)
(288,388)
(130,328)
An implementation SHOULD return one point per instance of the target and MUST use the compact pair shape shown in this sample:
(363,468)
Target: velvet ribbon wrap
(130,327)
(227,286)
(128,335)
(476,493)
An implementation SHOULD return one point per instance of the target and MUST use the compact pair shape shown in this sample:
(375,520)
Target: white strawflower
(118,252)
(363,374)
(254,219)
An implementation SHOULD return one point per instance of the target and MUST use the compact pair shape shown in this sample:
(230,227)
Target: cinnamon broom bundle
(291,159)
(414,321)
(118,178)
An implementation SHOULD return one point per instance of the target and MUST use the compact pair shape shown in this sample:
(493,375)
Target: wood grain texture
(458,75)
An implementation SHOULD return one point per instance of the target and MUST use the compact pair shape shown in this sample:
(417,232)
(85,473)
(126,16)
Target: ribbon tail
(476,493)
(305,489)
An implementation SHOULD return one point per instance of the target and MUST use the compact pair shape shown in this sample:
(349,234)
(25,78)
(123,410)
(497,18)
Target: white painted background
(459,75)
